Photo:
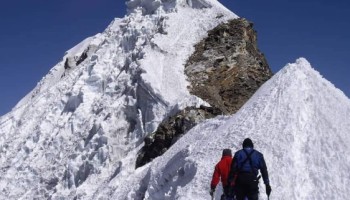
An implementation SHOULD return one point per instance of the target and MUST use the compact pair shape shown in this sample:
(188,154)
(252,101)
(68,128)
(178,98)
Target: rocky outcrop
(73,61)
(227,67)
(225,70)
(171,129)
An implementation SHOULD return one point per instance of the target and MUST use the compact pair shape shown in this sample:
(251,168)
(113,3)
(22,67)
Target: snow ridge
(297,119)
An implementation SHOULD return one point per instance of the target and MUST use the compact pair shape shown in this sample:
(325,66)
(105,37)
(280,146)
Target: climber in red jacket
(222,170)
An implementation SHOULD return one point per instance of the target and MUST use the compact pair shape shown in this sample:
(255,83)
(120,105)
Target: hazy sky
(35,34)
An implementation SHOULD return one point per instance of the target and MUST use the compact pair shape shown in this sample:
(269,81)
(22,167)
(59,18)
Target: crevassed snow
(79,48)
(58,71)
(80,128)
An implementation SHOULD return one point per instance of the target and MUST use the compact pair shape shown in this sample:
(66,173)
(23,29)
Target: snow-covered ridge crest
(300,127)
(150,6)
(302,71)
(60,71)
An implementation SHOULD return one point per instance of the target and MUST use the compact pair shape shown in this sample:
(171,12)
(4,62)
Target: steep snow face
(81,127)
(298,120)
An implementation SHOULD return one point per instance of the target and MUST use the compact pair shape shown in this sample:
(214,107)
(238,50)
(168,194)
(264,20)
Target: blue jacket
(257,163)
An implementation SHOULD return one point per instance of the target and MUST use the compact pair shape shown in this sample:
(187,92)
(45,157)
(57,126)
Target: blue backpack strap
(248,158)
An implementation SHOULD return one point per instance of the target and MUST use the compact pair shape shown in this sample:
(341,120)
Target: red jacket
(222,169)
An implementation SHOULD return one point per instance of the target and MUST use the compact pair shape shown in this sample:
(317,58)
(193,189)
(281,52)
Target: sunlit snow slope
(298,120)
(81,127)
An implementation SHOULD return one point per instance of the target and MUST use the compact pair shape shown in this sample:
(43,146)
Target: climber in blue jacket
(243,177)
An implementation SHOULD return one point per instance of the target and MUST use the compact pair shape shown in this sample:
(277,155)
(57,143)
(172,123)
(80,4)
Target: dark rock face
(74,61)
(170,130)
(227,67)
(225,71)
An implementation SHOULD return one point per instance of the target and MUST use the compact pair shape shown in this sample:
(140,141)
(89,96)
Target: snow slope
(298,120)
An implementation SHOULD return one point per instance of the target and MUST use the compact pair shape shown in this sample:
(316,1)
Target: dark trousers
(225,194)
(247,186)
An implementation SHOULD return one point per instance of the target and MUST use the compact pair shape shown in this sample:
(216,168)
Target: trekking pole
(212,196)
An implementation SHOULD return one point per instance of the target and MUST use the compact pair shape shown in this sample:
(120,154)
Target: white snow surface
(77,134)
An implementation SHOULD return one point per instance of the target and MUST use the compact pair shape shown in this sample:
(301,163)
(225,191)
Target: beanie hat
(226,152)
(248,143)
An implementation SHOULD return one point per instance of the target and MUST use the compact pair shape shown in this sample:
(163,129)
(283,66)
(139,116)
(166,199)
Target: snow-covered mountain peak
(147,7)
(300,78)
(86,119)
(301,66)
(78,133)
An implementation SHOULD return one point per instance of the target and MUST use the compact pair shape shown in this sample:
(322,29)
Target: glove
(268,189)
(212,191)
(231,192)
